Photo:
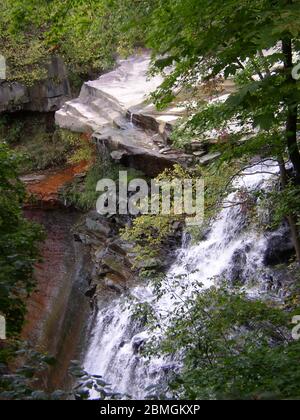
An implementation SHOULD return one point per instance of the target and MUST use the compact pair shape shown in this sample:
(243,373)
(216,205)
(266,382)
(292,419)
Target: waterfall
(232,250)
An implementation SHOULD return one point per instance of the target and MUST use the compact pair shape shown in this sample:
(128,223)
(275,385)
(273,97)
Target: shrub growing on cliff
(18,244)
(19,240)
(42,145)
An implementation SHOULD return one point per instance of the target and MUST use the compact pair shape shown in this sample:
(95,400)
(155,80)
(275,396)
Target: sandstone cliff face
(46,96)
(58,310)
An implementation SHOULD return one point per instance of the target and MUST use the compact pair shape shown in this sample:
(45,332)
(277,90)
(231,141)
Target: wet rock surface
(136,148)
(113,259)
(280,248)
(112,268)
(128,129)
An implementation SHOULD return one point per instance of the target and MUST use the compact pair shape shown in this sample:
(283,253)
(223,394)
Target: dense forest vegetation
(254,43)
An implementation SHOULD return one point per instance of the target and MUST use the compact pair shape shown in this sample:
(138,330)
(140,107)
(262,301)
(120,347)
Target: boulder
(118,155)
(137,343)
(235,273)
(116,287)
(280,248)
(96,223)
(209,158)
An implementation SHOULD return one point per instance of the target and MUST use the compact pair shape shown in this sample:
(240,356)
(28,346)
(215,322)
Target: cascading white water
(231,249)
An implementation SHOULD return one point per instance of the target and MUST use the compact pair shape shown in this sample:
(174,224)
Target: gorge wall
(88,279)
(58,309)
(44,96)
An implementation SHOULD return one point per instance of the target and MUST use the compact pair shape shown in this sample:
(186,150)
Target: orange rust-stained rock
(46,189)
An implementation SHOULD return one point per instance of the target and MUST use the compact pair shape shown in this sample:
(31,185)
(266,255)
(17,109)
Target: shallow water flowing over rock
(115,109)
(232,250)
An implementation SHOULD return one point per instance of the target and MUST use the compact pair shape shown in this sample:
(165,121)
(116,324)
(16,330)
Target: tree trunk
(291,123)
(295,235)
(290,218)
(291,135)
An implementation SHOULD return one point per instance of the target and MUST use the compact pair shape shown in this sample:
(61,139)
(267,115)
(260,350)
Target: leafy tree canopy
(87,34)
(234,348)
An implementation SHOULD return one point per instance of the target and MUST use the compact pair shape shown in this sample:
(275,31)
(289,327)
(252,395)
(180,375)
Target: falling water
(231,249)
